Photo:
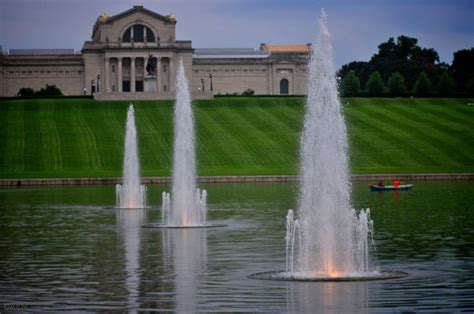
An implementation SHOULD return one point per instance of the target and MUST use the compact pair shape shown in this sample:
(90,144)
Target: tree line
(48,90)
(402,68)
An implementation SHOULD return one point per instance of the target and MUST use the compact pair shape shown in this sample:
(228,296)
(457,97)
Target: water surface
(63,248)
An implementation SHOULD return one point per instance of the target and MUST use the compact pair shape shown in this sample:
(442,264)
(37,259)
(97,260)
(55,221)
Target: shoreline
(234,179)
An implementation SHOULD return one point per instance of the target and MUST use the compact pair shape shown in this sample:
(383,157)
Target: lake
(66,248)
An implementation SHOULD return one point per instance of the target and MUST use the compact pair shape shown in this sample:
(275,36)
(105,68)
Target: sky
(357,27)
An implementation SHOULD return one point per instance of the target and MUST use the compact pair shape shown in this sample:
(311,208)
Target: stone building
(113,64)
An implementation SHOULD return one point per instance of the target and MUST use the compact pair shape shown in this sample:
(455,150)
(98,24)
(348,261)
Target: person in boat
(396,183)
(380,183)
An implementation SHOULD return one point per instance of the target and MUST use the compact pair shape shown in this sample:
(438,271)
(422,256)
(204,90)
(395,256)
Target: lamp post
(202,84)
(210,77)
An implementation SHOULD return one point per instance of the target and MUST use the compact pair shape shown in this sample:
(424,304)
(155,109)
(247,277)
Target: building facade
(113,64)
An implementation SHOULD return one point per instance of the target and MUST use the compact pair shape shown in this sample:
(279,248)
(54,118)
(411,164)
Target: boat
(402,187)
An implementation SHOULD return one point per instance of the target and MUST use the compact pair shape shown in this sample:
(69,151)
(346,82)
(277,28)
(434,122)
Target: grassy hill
(235,136)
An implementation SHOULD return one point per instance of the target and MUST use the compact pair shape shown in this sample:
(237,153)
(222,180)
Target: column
(107,76)
(172,75)
(119,75)
(144,74)
(132,74)
(158,75)
(272,79)
(293,81)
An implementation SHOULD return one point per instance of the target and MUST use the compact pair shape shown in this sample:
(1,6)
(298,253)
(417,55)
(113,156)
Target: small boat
(391,187)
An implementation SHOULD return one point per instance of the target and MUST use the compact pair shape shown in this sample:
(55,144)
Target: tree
(446,84)
(470,87)
(375,85)
(405,47)
(387,49)
(360,68)
(422,85)
(425,55)
(402,55)
(463,68)
(49,90)
(350,85)
(26,92)
(248,92)
(396,84)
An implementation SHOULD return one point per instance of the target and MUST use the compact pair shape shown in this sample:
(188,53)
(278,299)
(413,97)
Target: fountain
(329,241)
(131,194)
(186,206)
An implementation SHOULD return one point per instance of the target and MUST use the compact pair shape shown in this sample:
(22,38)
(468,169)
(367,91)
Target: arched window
(284,87)
(127,35)
(138,33)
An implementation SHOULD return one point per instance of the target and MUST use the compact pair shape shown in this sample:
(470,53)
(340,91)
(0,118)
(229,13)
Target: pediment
(139,9)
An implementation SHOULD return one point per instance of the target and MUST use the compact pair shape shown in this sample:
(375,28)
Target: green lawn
(235,136)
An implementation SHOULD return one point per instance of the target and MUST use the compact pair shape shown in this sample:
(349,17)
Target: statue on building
(151,64)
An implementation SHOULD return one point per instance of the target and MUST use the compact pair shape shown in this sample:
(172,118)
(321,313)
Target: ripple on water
(82,259)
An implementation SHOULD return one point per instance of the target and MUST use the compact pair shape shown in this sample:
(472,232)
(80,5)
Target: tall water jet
(186,206)
(131,194)
(330,239)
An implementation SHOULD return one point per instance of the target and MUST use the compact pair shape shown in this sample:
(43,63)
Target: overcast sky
(357,27)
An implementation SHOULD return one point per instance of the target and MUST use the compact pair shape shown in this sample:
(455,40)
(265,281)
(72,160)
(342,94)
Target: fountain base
(159,226)
(131,208)
(125,208)
(286,276)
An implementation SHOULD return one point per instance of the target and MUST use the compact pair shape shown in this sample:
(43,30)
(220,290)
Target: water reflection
(60,250)
(396,195)
(185,253)
(129,222)
(339,297)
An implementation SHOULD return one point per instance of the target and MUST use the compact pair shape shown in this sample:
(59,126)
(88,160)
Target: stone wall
(235,179)
(35,71)
(74,73)
(262,75)
(231,78)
